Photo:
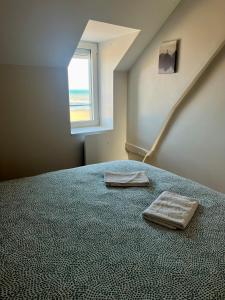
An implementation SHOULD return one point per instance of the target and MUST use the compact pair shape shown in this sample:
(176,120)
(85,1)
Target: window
(83,91)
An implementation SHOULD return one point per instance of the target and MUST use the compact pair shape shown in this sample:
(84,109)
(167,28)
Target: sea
(80,105)
(79,97)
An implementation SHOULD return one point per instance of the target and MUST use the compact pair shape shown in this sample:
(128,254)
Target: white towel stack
(171,210)
(128,179)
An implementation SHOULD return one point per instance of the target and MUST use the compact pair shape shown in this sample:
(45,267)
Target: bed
(65,235)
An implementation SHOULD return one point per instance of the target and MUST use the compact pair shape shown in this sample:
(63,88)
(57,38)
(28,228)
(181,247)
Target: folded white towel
(127,179)
(171,210)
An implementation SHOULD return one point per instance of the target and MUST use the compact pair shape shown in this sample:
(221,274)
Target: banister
(149,155)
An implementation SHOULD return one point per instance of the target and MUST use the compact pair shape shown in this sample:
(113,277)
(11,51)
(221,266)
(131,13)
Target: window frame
(93,83)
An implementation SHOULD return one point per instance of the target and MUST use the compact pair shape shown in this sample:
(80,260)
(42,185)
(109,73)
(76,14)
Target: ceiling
(99,32)
(46,32)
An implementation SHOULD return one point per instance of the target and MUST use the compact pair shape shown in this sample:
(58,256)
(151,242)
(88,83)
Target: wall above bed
(194,146)
(38,39)
(34,122)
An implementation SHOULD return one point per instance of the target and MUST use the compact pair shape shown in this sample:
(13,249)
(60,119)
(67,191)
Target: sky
(78,74)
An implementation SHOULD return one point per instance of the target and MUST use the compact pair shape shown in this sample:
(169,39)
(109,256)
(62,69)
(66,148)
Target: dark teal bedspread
(64,235)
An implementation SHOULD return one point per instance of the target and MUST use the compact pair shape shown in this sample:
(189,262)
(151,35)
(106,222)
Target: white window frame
(93,77)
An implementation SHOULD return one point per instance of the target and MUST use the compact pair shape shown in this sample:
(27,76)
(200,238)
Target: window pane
(79,88)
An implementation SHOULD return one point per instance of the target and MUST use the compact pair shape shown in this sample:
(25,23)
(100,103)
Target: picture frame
(168,57)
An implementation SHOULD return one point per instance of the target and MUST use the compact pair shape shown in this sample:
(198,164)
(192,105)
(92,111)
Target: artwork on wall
(168,57)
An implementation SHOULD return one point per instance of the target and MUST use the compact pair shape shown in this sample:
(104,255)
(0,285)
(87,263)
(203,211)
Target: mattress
(65,235)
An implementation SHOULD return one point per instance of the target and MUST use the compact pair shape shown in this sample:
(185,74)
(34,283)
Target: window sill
(89,130)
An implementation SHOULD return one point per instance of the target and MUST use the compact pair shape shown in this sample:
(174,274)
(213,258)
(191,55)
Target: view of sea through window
(80,88)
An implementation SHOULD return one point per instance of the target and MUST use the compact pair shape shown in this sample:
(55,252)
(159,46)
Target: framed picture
(168,57)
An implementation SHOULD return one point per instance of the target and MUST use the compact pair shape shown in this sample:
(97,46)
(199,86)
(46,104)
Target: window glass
(80,87)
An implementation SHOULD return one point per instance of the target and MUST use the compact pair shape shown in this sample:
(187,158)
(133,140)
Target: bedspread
(65,235)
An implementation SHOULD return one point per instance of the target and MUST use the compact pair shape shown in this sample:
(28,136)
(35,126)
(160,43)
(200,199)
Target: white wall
(113,103)
(110,145)
(34,122)
(46,33)
(110,54)
(195,145)
(200,27)
(34,119)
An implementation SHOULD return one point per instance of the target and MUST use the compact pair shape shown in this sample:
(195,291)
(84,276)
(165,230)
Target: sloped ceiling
(46,32)
(99,32)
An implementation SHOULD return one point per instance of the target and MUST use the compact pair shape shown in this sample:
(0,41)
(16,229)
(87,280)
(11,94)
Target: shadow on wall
(34,122)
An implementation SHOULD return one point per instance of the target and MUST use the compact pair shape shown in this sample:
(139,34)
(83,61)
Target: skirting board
(131,148)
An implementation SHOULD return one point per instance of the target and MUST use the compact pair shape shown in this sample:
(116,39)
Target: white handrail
(156,144)
(135,149)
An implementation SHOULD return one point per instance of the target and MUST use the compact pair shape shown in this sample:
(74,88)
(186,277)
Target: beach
(80,106)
